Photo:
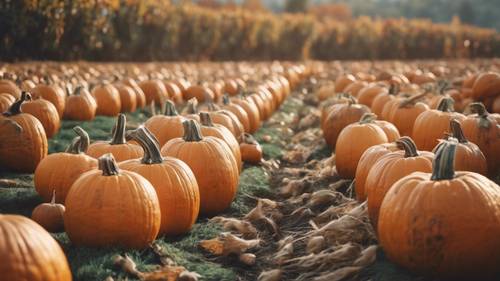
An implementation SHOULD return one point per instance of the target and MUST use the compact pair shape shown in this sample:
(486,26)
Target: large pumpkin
(6,100)
(53,94)
(431,125)
(58,171)
(29,252)
(173,180)
(404,113)
(111,207)
(444,224)
(213,164)
(118,146)
(486,85)
(81,105)
(389,169)
(46,113)
(167,126)
(353,141)
(23,142)
(108,100)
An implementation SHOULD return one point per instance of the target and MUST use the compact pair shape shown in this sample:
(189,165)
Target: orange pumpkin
(252,112)
(369,93)
(112,207)
(50,215)
(486,85)
(9,87)
(404,113)
(201,93)
(173,180)
(251,151)
(238,111)
(81,105)
(6,100)
(212,163)
(139,94)
(46,113)
(167,126)
(53,94)
(343,81)
(107,98)
(128,98)
(154,90)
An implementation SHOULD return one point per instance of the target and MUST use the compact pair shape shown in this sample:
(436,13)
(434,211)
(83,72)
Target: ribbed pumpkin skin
(80,107)
(108,101)
(240,113)
(389,129)
(386,171)
(340,116)
(119,210)
(352,142)
(9,87)
(50,216)
(448,228)
(6,100)
(224,134)
(59,171)
(404,117)
(29,252)
(366,162)
(215,169)
(165,128)
(128,98)
(177,191)
(21,151)
(252,112)
(53,94)
(46,113)
(121,152)
(430,126)
(154,91)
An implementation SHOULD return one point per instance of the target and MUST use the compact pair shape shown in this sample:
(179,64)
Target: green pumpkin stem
(225,99)
(119,130)
(394,89)
(170,109)
(83,140)
(482,113)
(457,132)
(149,143)
(408,145)
(205,119)
(192,106)
(108,166)
(192,131)
(367,118)
(446,105)
(78,90)
(444,161)
(15,108)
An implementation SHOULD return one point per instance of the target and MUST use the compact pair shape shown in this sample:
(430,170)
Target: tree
(466,12)
(340,11)
(296,6)
(253,5)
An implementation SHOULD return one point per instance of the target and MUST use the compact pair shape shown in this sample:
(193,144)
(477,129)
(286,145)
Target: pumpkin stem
(53,200)
(119,130)
(367,118)
(205,119)
(108,166)
(15,108)
(170,109)
(249,139)
(444,161)
(192,106)
(412,100)
(149,143)
(192,131)
(446,105)
(394,89)
(83,141)
(457,132)
(408,145)
(225,99)
(478,108)
(77,90)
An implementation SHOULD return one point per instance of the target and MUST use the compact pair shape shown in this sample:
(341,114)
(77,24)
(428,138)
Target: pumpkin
(251,151)
(139,94)
(167,126)
(217,87)
(128,98)
(495,106)
(231,87)
(173,180)
(50,215)
(118,146)
(252,113)
(107,98)
(53,94)
(6,100)
(174,92)
(154,90)
(23,142)
(29,252)
(429,223)
(389,129)
(238,127)
(366,162)
(354,88)
(80,106)
(112,207)
(483,129)
(58,171)
(9,87)
(353,141)
(389,169)
(369,93)
(212,163)
(432,124)
(404,113)
(343,81)
(208,128)
(340,116)
(46,113)
(238,111)
(201,93)
(382,99)
(263,106)
(486,85)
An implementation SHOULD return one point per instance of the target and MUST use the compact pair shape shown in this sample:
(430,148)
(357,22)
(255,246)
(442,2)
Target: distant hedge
(133,30)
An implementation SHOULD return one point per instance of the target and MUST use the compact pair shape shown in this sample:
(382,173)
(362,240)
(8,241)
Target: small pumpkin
(252,112)
(353,141)
(429,223)
(128,98)
(112,207)
(139,94)
(238,111)
(200,92)
(174,92)
(486,85)
(383,98)
(58,171)
(107,98)
(343,81)
(404,113)
(369,93)
(81,105)
(431,125)
(389,169)
(50,215)
(6,100)
(173,180)
(118,145)
(212,163)
(251,151)
(29,252)
(154,90)
(53,94)
(167,126)
(46,113)
(9,87)
(23,142)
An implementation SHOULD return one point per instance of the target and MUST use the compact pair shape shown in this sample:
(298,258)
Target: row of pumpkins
(144,183)
(422,169)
